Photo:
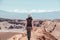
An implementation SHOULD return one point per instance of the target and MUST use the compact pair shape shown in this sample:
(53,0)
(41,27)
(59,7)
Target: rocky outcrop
(52,27)
(37,33)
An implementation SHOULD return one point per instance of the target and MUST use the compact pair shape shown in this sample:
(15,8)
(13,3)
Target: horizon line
(30,11)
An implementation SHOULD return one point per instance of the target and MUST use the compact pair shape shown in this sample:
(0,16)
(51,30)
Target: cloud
(31,11)
(17,11)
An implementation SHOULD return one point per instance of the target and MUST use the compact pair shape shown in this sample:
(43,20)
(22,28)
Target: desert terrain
(41,30)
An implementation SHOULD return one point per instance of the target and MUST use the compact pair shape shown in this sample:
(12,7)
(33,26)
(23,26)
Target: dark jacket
(29,21)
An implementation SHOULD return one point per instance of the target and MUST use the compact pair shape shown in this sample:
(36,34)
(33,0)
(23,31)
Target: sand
(7,35)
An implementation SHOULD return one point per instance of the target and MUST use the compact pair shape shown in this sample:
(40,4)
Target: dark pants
(28,33)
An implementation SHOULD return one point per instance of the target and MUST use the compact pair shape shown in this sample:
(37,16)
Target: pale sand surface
(6,35)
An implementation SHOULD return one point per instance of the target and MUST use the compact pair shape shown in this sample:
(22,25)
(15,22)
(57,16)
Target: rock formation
(37,33)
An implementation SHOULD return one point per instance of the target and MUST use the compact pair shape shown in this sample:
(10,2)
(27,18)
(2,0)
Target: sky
(29,6)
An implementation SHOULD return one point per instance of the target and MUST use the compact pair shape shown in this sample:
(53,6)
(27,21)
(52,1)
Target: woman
(29,26)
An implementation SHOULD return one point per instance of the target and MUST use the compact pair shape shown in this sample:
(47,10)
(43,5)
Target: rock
(37,33)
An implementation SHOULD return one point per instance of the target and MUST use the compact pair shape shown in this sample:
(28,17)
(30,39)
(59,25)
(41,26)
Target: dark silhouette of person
(29,26)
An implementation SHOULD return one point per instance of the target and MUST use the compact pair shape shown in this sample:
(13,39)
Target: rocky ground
(48,30)
(37,33)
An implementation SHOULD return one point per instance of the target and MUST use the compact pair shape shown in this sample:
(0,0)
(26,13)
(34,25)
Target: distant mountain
(43,15)
(12,15)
